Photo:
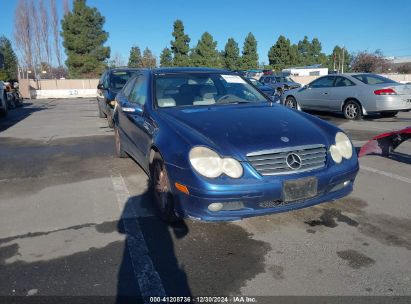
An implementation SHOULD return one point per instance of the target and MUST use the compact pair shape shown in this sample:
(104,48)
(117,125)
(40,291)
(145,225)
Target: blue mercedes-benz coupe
(217,149)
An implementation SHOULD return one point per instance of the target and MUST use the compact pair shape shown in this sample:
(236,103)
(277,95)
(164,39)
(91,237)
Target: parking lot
(76,220)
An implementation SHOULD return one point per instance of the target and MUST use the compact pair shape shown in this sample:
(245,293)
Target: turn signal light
(182,188)
(385,92)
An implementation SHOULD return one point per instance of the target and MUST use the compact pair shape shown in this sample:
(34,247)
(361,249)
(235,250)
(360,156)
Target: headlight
(343,144)
(209,164)
(335,154)
(342,148)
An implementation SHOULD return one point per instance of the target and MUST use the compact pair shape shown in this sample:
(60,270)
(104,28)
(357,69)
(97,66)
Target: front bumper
(265,197)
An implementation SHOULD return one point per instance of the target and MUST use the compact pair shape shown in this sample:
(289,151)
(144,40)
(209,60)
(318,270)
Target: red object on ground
(385,143)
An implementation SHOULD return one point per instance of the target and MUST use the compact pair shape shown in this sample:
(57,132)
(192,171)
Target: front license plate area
(299,189)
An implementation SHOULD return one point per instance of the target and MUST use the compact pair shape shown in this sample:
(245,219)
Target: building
(312,70)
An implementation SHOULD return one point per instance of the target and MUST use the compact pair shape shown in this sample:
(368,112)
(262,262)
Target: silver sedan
(354,94)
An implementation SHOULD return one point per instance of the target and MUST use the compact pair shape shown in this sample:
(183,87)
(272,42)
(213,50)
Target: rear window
(119,78)
(373,79)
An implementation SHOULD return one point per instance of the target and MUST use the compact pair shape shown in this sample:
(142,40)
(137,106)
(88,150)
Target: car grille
(274,162)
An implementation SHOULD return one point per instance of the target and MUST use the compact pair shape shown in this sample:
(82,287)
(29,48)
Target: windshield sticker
(233,79)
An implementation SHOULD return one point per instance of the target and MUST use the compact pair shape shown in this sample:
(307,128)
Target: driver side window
(138,94)
(324,82)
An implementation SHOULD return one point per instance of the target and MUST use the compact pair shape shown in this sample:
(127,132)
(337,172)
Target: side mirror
(100,86)
(306,86)
(133,109)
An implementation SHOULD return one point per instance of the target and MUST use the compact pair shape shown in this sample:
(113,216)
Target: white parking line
(392,175)
(148,279)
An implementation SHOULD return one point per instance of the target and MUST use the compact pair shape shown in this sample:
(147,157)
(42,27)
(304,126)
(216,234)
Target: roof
(174,70)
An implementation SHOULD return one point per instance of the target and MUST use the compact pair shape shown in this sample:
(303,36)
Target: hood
(266,88)
(235,130)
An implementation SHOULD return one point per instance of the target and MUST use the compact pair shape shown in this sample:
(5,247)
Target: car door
(134,121)
(315,95)
(100,91)
(343,88)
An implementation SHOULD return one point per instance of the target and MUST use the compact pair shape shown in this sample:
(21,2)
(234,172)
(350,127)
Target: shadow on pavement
(16,115)
(150,252)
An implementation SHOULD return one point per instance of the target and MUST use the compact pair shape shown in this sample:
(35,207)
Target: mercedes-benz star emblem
(293,161)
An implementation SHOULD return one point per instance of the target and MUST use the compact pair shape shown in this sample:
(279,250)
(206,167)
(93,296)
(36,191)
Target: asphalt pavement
(77,221)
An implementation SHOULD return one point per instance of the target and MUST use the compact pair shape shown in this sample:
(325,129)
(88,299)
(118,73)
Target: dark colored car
(268,91)
(108,86)
(279,83)
(217,149)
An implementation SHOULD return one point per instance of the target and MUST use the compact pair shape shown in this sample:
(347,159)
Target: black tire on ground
(161,190)
(119,147)
(389,114)
(352,110)
(290,102)
(101,114)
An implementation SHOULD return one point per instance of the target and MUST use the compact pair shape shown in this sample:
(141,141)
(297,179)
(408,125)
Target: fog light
(215,207)
(346,183)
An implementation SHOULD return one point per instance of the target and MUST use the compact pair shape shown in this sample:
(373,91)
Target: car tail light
(385,92)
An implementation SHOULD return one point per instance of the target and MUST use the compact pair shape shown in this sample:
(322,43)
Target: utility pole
(342,61)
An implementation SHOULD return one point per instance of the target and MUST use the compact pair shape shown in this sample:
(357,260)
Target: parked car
(3,100)
(279,83)
(215,148)
(353,94)
(108,86)
(256,74)
(268,91)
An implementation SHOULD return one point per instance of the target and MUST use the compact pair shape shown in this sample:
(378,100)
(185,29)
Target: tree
(304,51)
(166,58)
(231,55)
(83,40)
(148,60)
(370,63)
(180,46)
(282,54)
(339,60)
(9,71)
(205,53)
(134,60)
(249,59)
(117,61)
(55,31)
(23,32)
(45,33)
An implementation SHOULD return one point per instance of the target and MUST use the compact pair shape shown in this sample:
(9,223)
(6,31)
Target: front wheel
(119,147)
(290,102)
(352,110)
(160,185)
(101,114)
(110,120)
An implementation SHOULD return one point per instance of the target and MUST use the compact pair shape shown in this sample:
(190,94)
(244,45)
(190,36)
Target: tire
(389,114)
(290,102)
(119,147)
(110,121)
(161,190)
(101,114)
(352,110)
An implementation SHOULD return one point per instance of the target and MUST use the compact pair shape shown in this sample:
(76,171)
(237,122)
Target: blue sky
(359,25)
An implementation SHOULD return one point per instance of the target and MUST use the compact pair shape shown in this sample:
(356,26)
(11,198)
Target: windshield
(372,79)
(119,78)
(255,82)
(283,79)
(198,89)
